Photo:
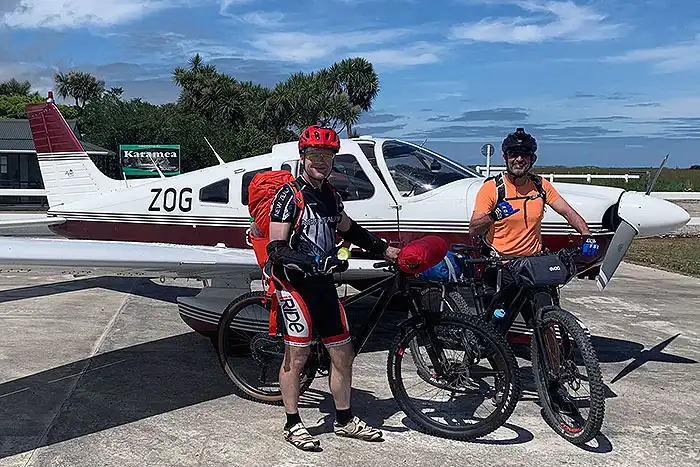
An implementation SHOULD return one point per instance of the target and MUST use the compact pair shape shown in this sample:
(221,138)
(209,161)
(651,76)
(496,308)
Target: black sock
(292,419)
(342,417)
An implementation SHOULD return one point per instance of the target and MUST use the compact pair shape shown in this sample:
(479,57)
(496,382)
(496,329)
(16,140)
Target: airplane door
(365,196)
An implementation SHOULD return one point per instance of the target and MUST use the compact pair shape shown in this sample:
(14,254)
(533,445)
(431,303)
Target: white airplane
(196,224)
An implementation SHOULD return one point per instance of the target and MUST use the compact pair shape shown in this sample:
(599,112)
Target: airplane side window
(349,179)
(245,181)
(215,193)
(290,166)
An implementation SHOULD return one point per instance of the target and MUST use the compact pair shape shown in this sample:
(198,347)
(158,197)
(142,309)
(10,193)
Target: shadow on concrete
(108,390)
(134,285)
(615,350)
(599,445)
(611,350)
(376,411)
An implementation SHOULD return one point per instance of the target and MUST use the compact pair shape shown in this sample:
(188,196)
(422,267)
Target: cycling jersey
(521,233)
(309,304)
(322,210)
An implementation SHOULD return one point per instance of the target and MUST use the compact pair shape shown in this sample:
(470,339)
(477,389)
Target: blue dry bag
(446,270)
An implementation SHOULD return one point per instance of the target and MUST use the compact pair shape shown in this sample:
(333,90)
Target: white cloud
(552,20)
(66,14)
(224,5)
(417,54)
(263,19)
(683,56)
(304,47)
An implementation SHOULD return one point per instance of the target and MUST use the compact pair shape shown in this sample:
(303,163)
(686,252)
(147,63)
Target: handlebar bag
(542,270)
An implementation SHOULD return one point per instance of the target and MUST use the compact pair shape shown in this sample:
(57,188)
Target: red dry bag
(422,254)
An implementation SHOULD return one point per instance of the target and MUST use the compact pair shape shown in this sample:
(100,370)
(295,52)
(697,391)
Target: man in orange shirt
(509,208)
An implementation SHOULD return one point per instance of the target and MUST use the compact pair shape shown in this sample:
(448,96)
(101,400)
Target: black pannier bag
(542,270)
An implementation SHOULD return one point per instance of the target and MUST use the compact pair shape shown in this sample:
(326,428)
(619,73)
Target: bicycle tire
(455,302)
(453,298)
(242,387)
(582,340)
(504,409)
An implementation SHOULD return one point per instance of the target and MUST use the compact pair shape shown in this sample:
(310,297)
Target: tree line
(239,118)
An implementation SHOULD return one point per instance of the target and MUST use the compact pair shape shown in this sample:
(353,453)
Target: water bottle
(498,314)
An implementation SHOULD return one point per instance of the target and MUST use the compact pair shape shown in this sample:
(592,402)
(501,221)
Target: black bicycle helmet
(519,143)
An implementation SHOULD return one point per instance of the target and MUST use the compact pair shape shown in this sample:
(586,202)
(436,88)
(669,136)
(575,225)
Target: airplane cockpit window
(245,181)
(349,179)
(416,171)
(217,192)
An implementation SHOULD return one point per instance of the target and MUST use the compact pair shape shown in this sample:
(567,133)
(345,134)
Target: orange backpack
(261,192)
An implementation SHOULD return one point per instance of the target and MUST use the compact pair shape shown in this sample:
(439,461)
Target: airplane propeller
(621,241)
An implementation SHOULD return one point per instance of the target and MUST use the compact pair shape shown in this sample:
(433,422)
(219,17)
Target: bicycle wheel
(432,301)
(474,343)
(249,355)
(561,335)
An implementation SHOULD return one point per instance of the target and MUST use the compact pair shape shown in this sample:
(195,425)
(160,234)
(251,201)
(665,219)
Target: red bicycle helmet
(318,137)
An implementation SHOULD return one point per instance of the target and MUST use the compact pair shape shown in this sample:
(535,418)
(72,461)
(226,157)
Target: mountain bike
(459,348)
(556,332)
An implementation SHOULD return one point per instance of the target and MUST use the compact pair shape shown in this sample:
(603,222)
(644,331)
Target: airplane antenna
(423,143)
(156,165)
(221,161)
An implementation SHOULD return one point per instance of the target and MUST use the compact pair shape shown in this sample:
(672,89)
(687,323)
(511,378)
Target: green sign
(142,159)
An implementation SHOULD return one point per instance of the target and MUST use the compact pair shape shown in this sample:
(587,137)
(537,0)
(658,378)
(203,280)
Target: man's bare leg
(290,370)
(340,382)
(294,361)
(340,379)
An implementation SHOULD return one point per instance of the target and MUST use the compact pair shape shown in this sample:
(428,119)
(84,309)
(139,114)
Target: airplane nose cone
(650,215)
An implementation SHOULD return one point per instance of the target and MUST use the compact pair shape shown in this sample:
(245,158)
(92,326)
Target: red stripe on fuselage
(235,237)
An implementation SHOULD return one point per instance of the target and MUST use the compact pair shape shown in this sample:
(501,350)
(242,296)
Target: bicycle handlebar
(486,260)
(503,258)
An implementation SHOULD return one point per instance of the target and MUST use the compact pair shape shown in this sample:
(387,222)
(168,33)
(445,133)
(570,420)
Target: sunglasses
(318,156)
(516,155)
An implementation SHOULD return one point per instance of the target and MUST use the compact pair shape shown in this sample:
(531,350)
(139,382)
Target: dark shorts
(310,306)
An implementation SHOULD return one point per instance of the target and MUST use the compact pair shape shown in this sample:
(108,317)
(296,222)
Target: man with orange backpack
(305,215)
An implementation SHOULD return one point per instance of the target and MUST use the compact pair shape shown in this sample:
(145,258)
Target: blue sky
(609,83)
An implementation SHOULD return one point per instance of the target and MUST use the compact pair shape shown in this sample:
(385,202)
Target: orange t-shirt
(517,234)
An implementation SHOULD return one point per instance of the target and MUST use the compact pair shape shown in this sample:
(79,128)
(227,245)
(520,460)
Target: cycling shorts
(309,306)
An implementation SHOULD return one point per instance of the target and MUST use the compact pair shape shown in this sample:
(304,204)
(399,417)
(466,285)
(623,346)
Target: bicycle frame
(396,283)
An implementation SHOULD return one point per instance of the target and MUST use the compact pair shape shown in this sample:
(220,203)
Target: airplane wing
(141,259)
(28,220)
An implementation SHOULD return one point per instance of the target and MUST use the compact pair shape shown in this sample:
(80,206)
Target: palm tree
(13,87)
(356,78)
(80,86)
(218,96)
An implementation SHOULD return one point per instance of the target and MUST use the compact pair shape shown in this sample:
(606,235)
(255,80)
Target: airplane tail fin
(68,172)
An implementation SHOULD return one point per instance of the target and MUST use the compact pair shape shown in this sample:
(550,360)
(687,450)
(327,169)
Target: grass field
(669,180)
(675,254)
